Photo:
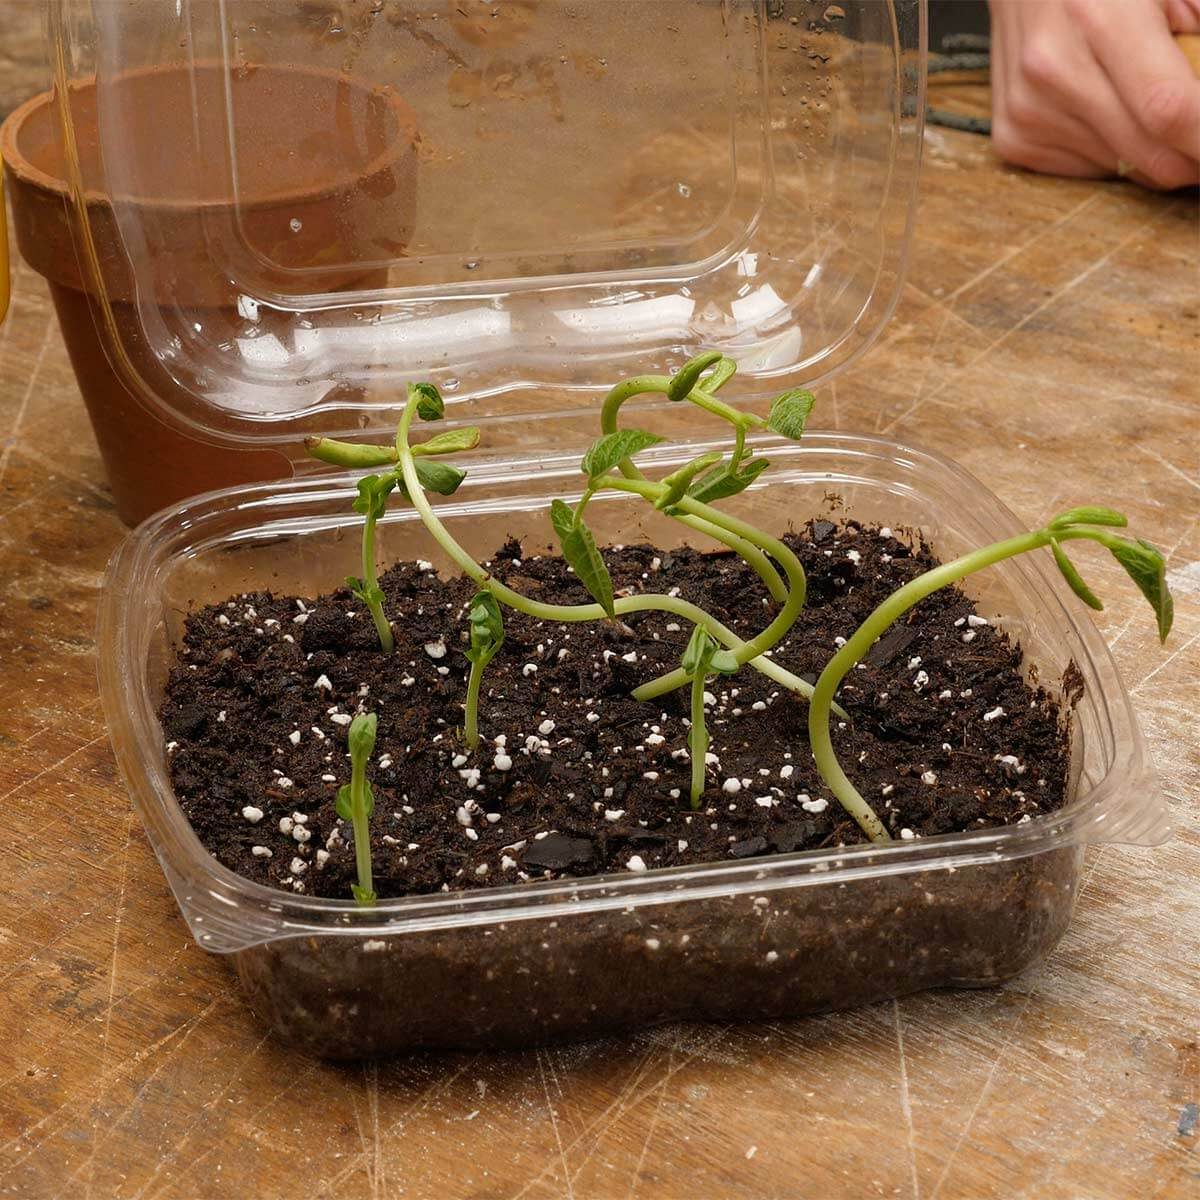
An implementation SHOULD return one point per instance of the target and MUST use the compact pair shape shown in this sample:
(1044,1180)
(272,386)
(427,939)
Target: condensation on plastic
(300,536)
(600,188)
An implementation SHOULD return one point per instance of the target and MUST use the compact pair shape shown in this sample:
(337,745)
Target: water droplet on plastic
(471,265)
(295,224)
(683,190)
(451,385)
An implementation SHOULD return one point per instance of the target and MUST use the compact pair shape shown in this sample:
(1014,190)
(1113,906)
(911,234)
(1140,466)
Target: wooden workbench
(1048,338)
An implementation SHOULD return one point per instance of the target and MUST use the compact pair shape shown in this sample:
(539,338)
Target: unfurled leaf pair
(487,628)
(1142,561)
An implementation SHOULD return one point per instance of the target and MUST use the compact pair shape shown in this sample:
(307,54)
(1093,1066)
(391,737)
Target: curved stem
(740,546)
(786,617)
(371,585)
(566,613)
(863,638)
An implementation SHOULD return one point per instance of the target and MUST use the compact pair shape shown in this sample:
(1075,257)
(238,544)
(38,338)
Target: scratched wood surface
(1048,338)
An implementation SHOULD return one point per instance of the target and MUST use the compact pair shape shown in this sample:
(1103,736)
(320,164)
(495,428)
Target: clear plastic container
(763,938)
(520,201)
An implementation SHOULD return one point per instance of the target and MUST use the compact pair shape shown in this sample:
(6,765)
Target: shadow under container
(325,172)
(767,938)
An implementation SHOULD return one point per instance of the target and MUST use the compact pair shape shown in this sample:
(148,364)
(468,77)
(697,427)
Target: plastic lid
(291,208)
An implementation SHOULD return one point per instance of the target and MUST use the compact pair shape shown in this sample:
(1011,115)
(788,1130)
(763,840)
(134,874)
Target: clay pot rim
(25,171)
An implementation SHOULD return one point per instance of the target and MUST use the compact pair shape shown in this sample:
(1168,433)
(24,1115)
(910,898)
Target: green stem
(362,835)
(740,546)
(698,740)
(471,719)
(739,448)
(371,585)
(861,641)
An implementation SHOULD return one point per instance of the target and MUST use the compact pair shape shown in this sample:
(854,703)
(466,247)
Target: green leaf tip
(724,481)
(580,551)
(1089,514)
(1074,579)
(487,627)
(613,448)
(789,413)
(440,477)
(349,454)
(689,374)
(698,654)
(430,405)
(373,491)
(678,482)
(1145,565)
(361,738)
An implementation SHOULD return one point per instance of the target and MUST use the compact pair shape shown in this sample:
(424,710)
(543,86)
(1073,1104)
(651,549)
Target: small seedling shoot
(702,657)
(688,494)
(486,638)
(356,802)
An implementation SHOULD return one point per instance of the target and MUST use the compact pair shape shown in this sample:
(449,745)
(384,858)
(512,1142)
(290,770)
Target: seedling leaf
(430,405)
(698,655)
(373,491)
(361,738)
(487,628)
(1145,565)
(689,374)
(722,481)
(579,549)
(1072,576)
(606,452)
(450,442)
(1089,514)
(440,477)
(789,413)
(677,482)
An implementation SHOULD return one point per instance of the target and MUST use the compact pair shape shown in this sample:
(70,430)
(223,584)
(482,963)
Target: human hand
(1096,87)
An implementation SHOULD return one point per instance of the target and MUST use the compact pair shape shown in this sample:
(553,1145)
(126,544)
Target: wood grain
(1049,339)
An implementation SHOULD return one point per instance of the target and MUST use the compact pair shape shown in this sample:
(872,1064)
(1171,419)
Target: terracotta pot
(325,198)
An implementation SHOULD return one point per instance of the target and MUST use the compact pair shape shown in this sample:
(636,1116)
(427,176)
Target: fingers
(1149,73)
(1112,136)
(1183,16)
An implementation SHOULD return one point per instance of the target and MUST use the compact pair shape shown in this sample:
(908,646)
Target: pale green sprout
(355,803)
(487,636)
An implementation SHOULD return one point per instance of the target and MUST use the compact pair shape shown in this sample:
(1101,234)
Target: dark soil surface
(573,776)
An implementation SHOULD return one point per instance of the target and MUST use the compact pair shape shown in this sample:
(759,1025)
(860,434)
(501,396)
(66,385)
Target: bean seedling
(355,803)
(1141,561)
(688,495)
(701,657)
(487,636)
